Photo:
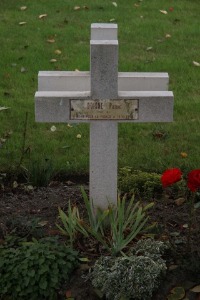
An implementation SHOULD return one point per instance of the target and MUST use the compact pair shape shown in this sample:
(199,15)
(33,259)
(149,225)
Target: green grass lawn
(26,49)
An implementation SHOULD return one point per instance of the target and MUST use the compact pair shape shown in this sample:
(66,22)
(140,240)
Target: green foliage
(142,184)
(133,277)
(96,218)
(40,172)
(123,223)
(126,221)
(69,221)
(35,270)
(71,30)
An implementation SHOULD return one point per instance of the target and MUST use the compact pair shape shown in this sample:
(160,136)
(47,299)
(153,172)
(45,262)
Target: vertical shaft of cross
(103,135)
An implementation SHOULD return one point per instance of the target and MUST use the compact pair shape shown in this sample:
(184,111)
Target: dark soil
(34,212)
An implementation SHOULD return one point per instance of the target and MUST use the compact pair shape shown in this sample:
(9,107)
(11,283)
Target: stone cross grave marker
(103,97)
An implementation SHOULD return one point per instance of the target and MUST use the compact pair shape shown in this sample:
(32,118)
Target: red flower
(193,181)
(171,176)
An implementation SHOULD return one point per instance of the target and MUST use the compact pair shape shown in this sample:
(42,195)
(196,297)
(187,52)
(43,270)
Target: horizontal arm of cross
(80,81)
(153,106)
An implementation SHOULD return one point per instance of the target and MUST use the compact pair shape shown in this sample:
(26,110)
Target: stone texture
(103,135)
(80,81)
(104,69)
(103,162)
(52,104)
(154,106)
(103,31)
(55,106)
(63,81)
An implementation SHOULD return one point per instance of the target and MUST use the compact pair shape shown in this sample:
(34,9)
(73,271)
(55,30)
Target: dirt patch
(20,208)
(43,203)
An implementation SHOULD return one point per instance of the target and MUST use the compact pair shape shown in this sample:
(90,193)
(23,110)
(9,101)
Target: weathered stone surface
(103,31)
(154,106)
(80,81)
(53,103)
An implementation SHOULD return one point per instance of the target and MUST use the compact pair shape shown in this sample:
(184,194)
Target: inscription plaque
(120,109)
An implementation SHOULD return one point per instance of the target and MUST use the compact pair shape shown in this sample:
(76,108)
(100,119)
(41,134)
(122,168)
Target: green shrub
(142,184)
(130,277)
(35,270)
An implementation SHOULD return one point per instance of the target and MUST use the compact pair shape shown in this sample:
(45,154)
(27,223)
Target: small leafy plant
(130,277)
(69,221)
(123,223)
(35,270)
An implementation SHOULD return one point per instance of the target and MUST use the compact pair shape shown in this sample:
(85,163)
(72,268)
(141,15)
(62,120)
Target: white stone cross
(103,97)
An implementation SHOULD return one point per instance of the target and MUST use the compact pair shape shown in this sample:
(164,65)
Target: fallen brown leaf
(51,41)
(70,183)
(114,3)
(195,63)
(3,108)
(196,289)
(177,292)
(23,8)
(57,52)
(179,201)
(42,16)
(185,226)
(15,184)
(163,12)
(22,23)
(43,223)
(172,267)
(77,7)
(184,154)
(23,70)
